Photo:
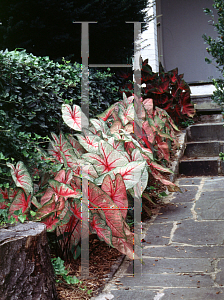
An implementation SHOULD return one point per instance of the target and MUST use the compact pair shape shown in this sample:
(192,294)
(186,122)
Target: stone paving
(183,248)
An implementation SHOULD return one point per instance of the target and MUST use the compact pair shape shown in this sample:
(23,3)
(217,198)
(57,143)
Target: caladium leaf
(64,177)
(73,117)
(51,222)
(159,167)
(157,175)
(131,173)
(76,145)
(107,113)
(117,192)
(117,125)
(100,126)
(99,198)
(117,145)
(100,227)
(125,246)
(149,131)
(89,141)
(75,208)
(64,190)
(63,151)
(164,149)
(126,114)
(148,105)
(21,201)
(21,177)
(108,160)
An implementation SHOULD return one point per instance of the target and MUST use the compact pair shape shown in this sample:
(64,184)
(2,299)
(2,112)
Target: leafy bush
(168,90)
(216,49)
(111,156)
(32,90)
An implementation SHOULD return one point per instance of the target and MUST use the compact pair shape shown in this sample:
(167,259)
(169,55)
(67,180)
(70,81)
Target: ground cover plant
(112,155)
(168,90)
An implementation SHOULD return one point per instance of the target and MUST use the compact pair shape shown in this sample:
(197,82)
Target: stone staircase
(204,141)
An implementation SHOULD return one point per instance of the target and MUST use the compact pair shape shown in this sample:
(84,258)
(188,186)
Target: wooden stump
(26,272)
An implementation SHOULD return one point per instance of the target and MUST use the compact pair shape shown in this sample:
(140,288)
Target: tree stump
(26,272)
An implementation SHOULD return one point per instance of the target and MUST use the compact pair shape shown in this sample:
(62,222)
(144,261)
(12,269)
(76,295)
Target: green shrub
(32,90)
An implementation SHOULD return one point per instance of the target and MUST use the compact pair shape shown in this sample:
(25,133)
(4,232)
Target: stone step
(204,103)
(203,149)
(204,166)
(205,132)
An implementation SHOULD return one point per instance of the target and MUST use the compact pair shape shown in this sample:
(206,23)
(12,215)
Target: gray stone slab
(158,234)
(190,181)
(202,149)
(174,212)
(205,132)
(220,275)
(183,251)
(128,293)
(175,265)
(207,293)
(214,184)
(210,206)
(167,280)
(199,233)
(188,194)
(199,167)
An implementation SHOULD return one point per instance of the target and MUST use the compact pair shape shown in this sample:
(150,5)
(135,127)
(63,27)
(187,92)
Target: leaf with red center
(131,173)
(187,108)
(64,177)
(116,126)
(101,126)
(21,201)
(149,131)
(108,159)
(157,175)
(89,141)
(3,205)
(107,113)
(51,222)
(64,190)
(100,227)
(158,167)
(75,208)
(63,150)
(117,192)
(148,105)
(164,150)
(117,145)
(4,193)
(114,220)
(48,208)
(76,145)
(21,177)
(124,245)
(126,114)
(73,117)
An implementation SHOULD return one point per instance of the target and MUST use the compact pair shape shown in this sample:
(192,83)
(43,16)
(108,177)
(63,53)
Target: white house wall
(183,23)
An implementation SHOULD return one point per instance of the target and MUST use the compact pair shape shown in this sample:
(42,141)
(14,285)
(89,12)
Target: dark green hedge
(32,90)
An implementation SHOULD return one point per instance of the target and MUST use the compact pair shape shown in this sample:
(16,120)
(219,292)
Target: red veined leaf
(64,177)
(3,205)
(4,193)
(100,227)
(149,131)
(108,160)
(76,145)
(157,175)
(101,126)
(187,108)
(117,145)
(117,192)
(21,201)
(148,105)
(77,182)
(164,150)
(114,220)
(107,113)
(70,233)
(75,208)
(63,150)
(126,114)
(48,195)
(124,246)
(51,222)
(21,177)
(89,141)
(64,190)
(116,126)
(172,75)
(159,167)
(131,173)
(48,208)
(73,117)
